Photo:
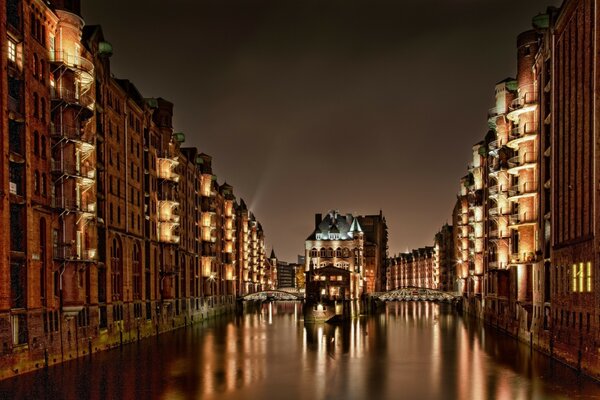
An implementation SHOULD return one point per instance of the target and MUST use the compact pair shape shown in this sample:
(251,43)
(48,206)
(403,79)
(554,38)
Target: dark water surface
(412,351)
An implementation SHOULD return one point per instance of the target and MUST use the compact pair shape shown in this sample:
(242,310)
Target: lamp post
(211,278)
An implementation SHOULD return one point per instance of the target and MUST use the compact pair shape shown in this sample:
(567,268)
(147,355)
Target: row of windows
(38,68)
(38,30)
(39,107)
(574,279)
(328,253)
(39,145)
(40,183)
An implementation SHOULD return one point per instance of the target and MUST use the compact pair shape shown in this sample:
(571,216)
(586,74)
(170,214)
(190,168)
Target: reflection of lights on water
(270,313)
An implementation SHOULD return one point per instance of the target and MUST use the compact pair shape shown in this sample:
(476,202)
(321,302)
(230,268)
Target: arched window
(137,272)
(36,143)
(116,258)
(43,147)
(36,182)
(314,253)
(322,253)
(338,252)
(346,252)
(35,65)
(330,252)
(43,71)
(43,109)
(43,184)
(36,100)
(43,266)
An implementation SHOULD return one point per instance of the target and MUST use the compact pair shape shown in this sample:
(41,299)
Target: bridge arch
(277,295)
(417,294)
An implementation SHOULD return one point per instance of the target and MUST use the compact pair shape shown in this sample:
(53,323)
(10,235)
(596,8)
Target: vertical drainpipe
(126,169)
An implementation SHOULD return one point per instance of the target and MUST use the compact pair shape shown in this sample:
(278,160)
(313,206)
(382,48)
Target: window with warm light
(12,51)
(582,277)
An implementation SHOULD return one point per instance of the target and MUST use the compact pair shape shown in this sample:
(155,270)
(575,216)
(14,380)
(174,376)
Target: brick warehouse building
(356,244)
(526,217)
(113,230)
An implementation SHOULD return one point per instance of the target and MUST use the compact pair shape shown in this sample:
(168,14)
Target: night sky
(311,105)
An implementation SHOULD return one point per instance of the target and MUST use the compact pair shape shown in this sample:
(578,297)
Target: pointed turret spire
(355,227)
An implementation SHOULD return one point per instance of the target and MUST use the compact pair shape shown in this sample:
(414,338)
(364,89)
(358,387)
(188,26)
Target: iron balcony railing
(71,168)
(519,219)
(522,160)
(522,189)
(71,204)
(523,100)
(70,253)
(60,131)
(72,61)
(71,97)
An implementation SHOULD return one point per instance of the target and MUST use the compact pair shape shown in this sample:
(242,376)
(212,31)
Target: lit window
(582,277)
(12,51)
(588,277)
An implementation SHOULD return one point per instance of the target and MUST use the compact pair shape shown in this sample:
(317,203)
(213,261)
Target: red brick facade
(112,230)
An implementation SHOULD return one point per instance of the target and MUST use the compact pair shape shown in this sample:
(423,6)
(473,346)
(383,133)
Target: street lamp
(211,278)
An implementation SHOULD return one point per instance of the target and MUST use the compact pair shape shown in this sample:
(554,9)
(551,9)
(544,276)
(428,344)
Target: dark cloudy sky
(311,105)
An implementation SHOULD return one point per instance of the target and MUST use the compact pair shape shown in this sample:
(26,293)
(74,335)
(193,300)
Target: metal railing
(71,97)
(71,204)
(518,218)
(71,168)
(70,253)
(72,61)
(69,132)
(520,160)
(523,188)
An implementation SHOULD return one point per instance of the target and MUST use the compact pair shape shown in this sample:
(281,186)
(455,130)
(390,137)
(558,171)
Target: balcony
(496,265)
(63,95)
(524,161)
(66,132)
(520,135)
(209,249)
(523,104)
(167,163)
(208,204)
(70,204)
(86,173)
(493,190)
(67,252)
(168,232)
(497,235)
(494,145)
(526,189)
(523,219)
(168,211)
(495,112)
(74,62)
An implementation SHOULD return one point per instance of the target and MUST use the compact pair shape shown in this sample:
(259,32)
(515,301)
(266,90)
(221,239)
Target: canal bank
(76,338)
(419,350)
(571,350)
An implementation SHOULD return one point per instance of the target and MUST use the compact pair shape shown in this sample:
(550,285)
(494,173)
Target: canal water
(409,351)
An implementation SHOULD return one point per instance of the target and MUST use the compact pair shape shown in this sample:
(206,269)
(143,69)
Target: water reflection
(412,350)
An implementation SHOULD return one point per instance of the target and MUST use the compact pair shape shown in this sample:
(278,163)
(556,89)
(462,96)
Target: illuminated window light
(580,277)
(589,277)
(12,51)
